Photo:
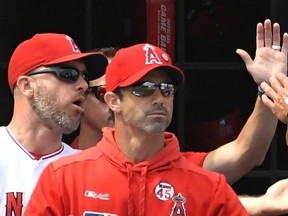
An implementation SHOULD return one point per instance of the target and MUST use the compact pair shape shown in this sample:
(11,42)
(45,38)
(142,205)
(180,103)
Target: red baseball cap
(48,49)
(132,63)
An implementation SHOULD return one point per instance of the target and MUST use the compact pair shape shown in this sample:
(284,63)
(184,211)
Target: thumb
(245,57)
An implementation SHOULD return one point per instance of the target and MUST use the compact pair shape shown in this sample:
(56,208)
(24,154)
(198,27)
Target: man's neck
(139,147)
(88,137)
(36,138)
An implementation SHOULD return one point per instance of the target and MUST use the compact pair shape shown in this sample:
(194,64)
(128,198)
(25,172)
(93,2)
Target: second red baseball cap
(132,63)
(48,49)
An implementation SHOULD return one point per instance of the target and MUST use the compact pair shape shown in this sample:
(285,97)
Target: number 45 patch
(164,191)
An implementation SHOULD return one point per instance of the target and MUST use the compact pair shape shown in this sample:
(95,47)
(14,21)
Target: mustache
(157,108)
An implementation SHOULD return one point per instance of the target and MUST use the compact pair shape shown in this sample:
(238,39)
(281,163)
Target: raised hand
(275,201)
(276,96)
(270,57)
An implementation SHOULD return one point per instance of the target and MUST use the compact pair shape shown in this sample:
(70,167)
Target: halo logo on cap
(151,55)
(74,46)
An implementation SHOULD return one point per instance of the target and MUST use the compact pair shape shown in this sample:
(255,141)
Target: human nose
(158,96)
(82,84)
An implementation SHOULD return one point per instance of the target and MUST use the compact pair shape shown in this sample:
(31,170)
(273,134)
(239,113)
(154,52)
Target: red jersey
(108,184)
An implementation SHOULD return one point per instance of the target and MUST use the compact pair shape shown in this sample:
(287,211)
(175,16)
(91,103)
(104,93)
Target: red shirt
(110,184)
(74,144)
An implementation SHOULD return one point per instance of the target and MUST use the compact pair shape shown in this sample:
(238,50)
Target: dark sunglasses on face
(98,91)
(148,88)
(68,74)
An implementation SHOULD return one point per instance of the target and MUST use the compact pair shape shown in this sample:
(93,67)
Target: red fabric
(47,49)
(110,184)
(36,156)
(74,144)
(142,58)
(196,157)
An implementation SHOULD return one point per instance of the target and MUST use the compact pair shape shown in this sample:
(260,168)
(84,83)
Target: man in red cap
(48,76)
(137,168)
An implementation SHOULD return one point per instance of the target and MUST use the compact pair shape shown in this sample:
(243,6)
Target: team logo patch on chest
(179,208)
(164,191)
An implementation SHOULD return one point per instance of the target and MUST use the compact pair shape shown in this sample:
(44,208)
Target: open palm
(267,61)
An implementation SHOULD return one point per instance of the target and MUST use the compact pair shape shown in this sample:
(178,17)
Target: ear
(26,85)
(113,101)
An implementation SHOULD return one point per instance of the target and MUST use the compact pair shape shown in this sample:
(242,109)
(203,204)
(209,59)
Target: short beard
(154,127)
(52,114)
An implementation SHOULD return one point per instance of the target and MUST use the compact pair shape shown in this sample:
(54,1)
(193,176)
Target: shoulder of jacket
(77,157)
(193,169)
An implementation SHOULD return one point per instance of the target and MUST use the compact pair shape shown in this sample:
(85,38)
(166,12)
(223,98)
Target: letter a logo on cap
(75,48)
(151,55)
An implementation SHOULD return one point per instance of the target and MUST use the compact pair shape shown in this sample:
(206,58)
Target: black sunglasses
(148,88)
(98,91)
(68,74)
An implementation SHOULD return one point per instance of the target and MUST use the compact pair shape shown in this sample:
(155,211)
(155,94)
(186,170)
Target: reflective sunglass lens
(100,93)
(167,89)
(64,73)
(70,75)
(145,89)
(143,92)
(148,88)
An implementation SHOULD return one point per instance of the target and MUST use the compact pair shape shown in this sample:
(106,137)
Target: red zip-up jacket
(106,183)
(196,157)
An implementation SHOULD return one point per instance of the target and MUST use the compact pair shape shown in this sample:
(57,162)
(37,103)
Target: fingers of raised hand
(281,81)
(276,37)
(268,33)
(276,45)
(269,91)
(282,100)
(278,92)
(285,44)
